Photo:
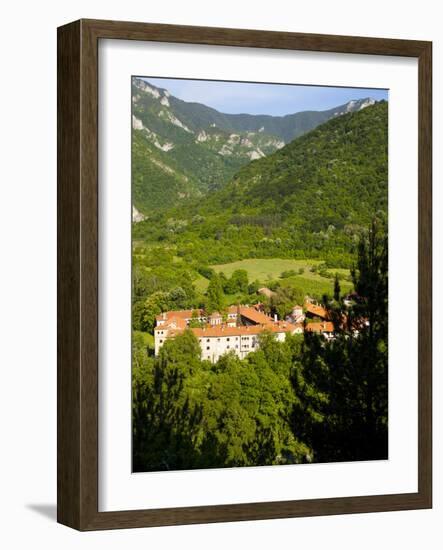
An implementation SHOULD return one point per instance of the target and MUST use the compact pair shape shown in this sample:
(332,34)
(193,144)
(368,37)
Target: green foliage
(176,155)
(206,271)
(253,287)
(324,183)
(215,295)
(154,292)
(292,222)
(238,282)
(284,299)
(189,414)
(308,200)
(336,289)
(288,273)
(182,150)
(302,400)
(345,381)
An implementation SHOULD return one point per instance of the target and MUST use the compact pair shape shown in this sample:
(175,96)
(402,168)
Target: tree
(223,280)
(336,288)
(253,287)
(166,410)
(188,413)
(195,320)
(155,304)
(345,380)
(238,282)
(187,285)
(215,295)
(276,441)
(178,298)
(284,300)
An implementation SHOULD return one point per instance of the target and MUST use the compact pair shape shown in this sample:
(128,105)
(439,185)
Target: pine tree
(336,288)
(215,295)
(346,379)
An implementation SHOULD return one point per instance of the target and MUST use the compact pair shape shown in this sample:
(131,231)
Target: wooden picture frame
(77,456)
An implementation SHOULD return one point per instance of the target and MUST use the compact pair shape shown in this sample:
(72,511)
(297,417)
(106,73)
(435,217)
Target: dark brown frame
(77,454)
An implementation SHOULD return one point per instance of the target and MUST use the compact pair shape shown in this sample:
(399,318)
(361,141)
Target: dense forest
(200,149)
(301,400)
(307,200)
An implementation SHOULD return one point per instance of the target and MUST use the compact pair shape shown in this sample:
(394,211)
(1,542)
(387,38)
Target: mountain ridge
(311,198)
(290,130)
(186,149)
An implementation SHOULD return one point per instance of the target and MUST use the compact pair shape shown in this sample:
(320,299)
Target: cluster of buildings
(239,328)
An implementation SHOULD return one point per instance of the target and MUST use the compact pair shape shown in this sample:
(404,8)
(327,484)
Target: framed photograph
(244,275)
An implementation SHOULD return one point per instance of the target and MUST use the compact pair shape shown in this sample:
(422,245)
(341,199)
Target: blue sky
(270,99)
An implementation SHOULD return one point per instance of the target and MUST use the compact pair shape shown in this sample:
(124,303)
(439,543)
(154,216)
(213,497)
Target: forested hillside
(183,149)
(307,200)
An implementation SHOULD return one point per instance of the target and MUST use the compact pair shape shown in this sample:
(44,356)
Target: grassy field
(201,283)
(315,286)
(266,269)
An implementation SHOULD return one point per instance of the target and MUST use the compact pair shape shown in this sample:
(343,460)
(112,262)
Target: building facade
(238,330)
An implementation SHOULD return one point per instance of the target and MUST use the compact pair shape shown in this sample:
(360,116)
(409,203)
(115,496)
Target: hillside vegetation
(183,149)
(308,200)
(302,400)
(306,219)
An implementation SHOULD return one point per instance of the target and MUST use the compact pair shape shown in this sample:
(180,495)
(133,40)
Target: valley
(259,284)
(182,150)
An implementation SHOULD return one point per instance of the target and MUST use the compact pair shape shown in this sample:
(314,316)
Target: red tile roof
(255,316)
(317,311)
(218,331)
(325,326)
(215,315)
(266,292)
(178,322)
(182,314)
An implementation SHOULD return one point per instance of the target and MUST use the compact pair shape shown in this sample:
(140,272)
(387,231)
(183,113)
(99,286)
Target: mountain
(334,175)
(286,127)
(182,149)
(175,157)
(312,197)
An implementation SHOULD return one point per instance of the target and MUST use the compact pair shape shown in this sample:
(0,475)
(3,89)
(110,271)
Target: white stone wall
(213,347)
(159,339)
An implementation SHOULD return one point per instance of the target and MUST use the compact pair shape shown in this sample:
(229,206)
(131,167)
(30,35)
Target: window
(207,340)
(161,341)
(227,347)
(227,339)
(208,347)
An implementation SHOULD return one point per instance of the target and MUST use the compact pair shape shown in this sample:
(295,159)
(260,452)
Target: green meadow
(267,271)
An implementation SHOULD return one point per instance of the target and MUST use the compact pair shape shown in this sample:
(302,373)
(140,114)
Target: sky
(269,99)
